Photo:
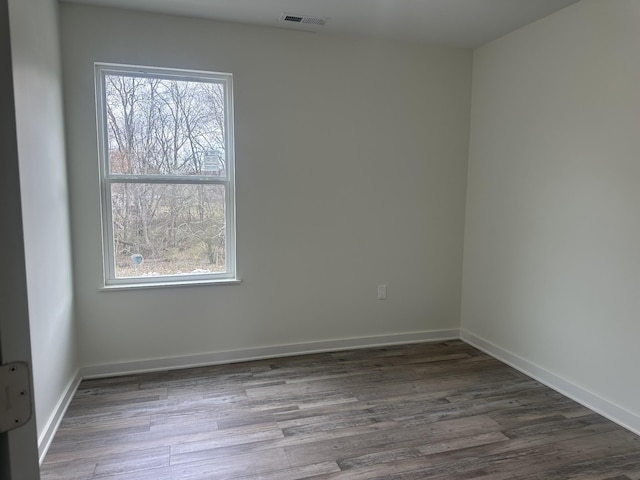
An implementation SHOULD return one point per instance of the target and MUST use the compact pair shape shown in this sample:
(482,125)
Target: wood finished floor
(428,411)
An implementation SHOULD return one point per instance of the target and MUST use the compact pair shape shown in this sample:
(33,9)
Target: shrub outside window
(167,175)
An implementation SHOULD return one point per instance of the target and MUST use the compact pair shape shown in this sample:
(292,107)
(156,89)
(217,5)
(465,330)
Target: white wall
(351,170)
(43,183)
(552,247)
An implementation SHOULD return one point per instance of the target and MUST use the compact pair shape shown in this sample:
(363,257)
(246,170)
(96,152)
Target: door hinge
(15,396)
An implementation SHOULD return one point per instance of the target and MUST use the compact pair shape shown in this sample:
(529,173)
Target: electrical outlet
(382,292)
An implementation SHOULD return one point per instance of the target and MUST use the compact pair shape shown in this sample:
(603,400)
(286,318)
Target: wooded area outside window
(165,141)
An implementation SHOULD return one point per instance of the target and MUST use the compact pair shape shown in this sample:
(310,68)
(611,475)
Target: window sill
(193,283)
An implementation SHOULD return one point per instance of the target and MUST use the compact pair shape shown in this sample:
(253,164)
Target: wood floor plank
(438,411)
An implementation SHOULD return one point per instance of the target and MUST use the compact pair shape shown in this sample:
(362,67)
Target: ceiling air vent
(303,19)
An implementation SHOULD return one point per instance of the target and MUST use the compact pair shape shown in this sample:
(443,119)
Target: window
(167,175)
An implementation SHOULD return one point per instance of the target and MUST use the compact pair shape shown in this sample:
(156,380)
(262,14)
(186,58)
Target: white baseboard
(590,400)
(46,437)
(613,412)
(260,353)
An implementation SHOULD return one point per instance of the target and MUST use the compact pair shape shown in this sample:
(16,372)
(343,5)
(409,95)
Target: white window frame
(107,178)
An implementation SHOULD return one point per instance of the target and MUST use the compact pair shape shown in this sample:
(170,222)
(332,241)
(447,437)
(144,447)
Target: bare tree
(166,127)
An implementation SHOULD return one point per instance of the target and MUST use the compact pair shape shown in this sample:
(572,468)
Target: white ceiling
(459,23)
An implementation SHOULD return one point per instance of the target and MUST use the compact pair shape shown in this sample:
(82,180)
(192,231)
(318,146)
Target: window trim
(107,179)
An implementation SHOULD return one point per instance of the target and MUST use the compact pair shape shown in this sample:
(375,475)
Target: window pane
(164,126)
(161,229)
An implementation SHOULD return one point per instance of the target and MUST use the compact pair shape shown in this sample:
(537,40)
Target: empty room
(287,239)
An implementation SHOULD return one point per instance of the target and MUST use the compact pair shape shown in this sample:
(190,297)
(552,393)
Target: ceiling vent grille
(303,19)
